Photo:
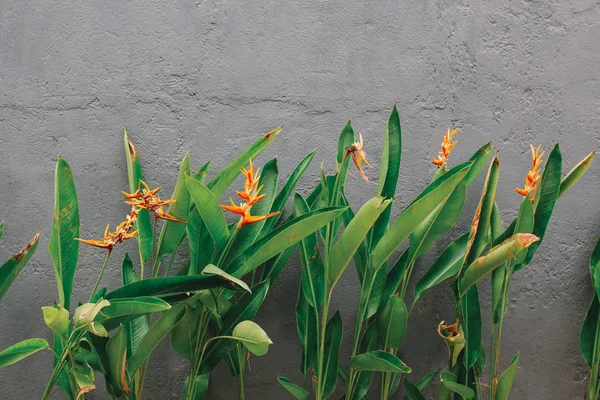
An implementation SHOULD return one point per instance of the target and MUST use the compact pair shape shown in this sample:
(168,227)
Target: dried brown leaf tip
(533,175)
(251,195)
(447,145)
(20,255)
(359,156)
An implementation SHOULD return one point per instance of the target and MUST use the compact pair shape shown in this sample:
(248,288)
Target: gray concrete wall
(209,76)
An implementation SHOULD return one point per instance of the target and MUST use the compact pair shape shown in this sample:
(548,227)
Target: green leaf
(200,243)
(121,311)
(507,378)
(202,172)
(393,322)
(143,224)
(354,234)
(283,237)
(306,321)
(595,267)
(200,389)
(412,392)
(388,172)
(575,174)
(379,360)
(171,285)
(227,175)
(155,334)
(11,268)
(1,229)
(19,351)
(137,328)
(285,192)
(479,159)
(209,210)
(311,262)
(211,269)
(369,342)
(116,349)
(524,224)
(447,265)
(471,311)
(295,390)
(333,341)
(494,258)
(183,337)
(57,319)
(63,247)
(587,338)
(346,139)
(172,232)
(415,213)
(253,337)
(548,190)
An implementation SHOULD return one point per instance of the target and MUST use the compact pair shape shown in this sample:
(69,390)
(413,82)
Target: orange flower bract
(447,145)
(533,175)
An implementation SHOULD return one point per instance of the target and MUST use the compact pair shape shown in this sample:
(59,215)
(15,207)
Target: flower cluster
(358,156)
(143,198)
(251,196)
(447,145)
(533,175)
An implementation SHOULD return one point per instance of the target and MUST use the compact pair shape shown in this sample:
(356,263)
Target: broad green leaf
(595,267)
(346,139)
(306,321)
(388,172)
(227,175)
(576,173)
(202,172)
(524,224)
(394,276)
(354,234)
(283,237)
(480,226)
(155,334)
(471,312)
(183,336)
(479,159)
(447,265)
(121,311)
(415,213)
(393,322)
(379,360)
(369,342)
(285,192)
(63,247)
(295,390)
(116,349)
(244,309)
(209,210)
(172,232)
(253,337)
(11,268)
(412,392)
(200,388)
(546,197)
(83,376)
(494,258)
(86,313)
(373,290)
(171,285)
(361,255)
(200,243)
(19,351)
(275,265)
(143,224)
(137,328)
(57,319)
(211,269)
(248,234)
(311,262)
(587,337)
(333,341)
(1,229)
(507,378)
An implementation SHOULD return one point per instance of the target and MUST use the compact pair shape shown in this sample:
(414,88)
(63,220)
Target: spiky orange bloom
(359,156)
(147,199)
(447,145)
(533,175)
(123,232)
(251,195)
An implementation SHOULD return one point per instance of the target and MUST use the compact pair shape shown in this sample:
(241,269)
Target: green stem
(494,386)
(242,366)
(100,276)
(171,261)
(196,362)
(228,245)
(593,386)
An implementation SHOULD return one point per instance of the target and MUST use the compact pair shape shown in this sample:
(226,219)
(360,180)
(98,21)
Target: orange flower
(358,156)
(447,145)
(251,195)
(122,233)
(147,199)
(533,175)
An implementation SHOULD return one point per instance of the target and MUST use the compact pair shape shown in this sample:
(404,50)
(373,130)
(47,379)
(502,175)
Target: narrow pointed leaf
(379,360)
(333,341)
(587,336)
(11,268)
(507,378)
(575,174)
(306,321)
(211,269)
(19,351)
(137,328)
(160,287)
(295,390)
(393,322)
(116,349)
(200,243)
(412,392)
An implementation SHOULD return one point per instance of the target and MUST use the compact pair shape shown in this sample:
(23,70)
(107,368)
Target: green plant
(8,273)
(589,340)
(511,250)
(366,238)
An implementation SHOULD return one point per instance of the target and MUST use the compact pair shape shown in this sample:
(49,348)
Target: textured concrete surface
(209,76)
